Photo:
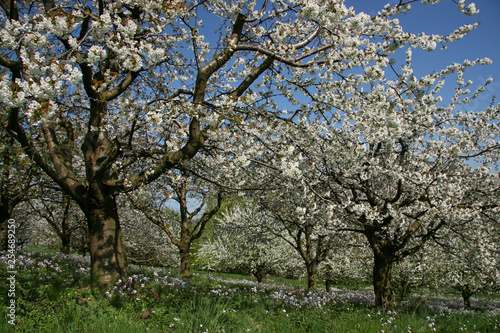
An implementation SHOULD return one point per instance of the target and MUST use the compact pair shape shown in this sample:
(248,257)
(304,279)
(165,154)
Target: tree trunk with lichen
(107,252)
(466,293)
(4,221)
(382,286)
(184,252)
(312,268)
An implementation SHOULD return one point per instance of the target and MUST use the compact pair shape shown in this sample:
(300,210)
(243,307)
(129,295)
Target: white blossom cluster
(241,243)
(118,94)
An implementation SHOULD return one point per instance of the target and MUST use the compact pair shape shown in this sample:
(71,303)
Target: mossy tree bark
(382,285)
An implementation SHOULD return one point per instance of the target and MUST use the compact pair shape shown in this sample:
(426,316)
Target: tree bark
(259,273)
(312,268)
(66,244)
(4,221)
(466,295)
(328,285)
(66,228)
(107,252)
(259,276)
(66,231)
(185,263)
(5,214)
(382,286)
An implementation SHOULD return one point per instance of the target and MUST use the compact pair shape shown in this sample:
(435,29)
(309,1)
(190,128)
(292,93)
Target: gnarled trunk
(66,230)
(312,268)
(382,286)
(466,293)
(466,297)
(107,252)
(185,263)
(259,275)
(5,214)
(66,244)
(328,284)
(4,221)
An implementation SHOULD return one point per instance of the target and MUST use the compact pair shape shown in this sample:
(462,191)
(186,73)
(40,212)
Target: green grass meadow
(53,294)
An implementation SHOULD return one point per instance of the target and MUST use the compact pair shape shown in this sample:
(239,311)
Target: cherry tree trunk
(65,236)
(185,264)
(312,268)
(466,295)
(466,298)
(259,276)
(382,280)
(66,244)
(4,221)
(107,252)
(5,214)
(328,285)
(259,273)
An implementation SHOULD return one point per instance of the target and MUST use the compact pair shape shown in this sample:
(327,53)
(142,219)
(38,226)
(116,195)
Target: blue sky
(444,18)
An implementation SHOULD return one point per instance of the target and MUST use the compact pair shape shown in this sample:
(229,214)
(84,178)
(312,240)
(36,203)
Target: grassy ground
(53,295)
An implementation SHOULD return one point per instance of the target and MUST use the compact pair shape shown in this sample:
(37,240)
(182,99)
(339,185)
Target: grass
(53,295)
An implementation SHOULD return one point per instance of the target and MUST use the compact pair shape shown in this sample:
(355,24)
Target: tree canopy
(106,97)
